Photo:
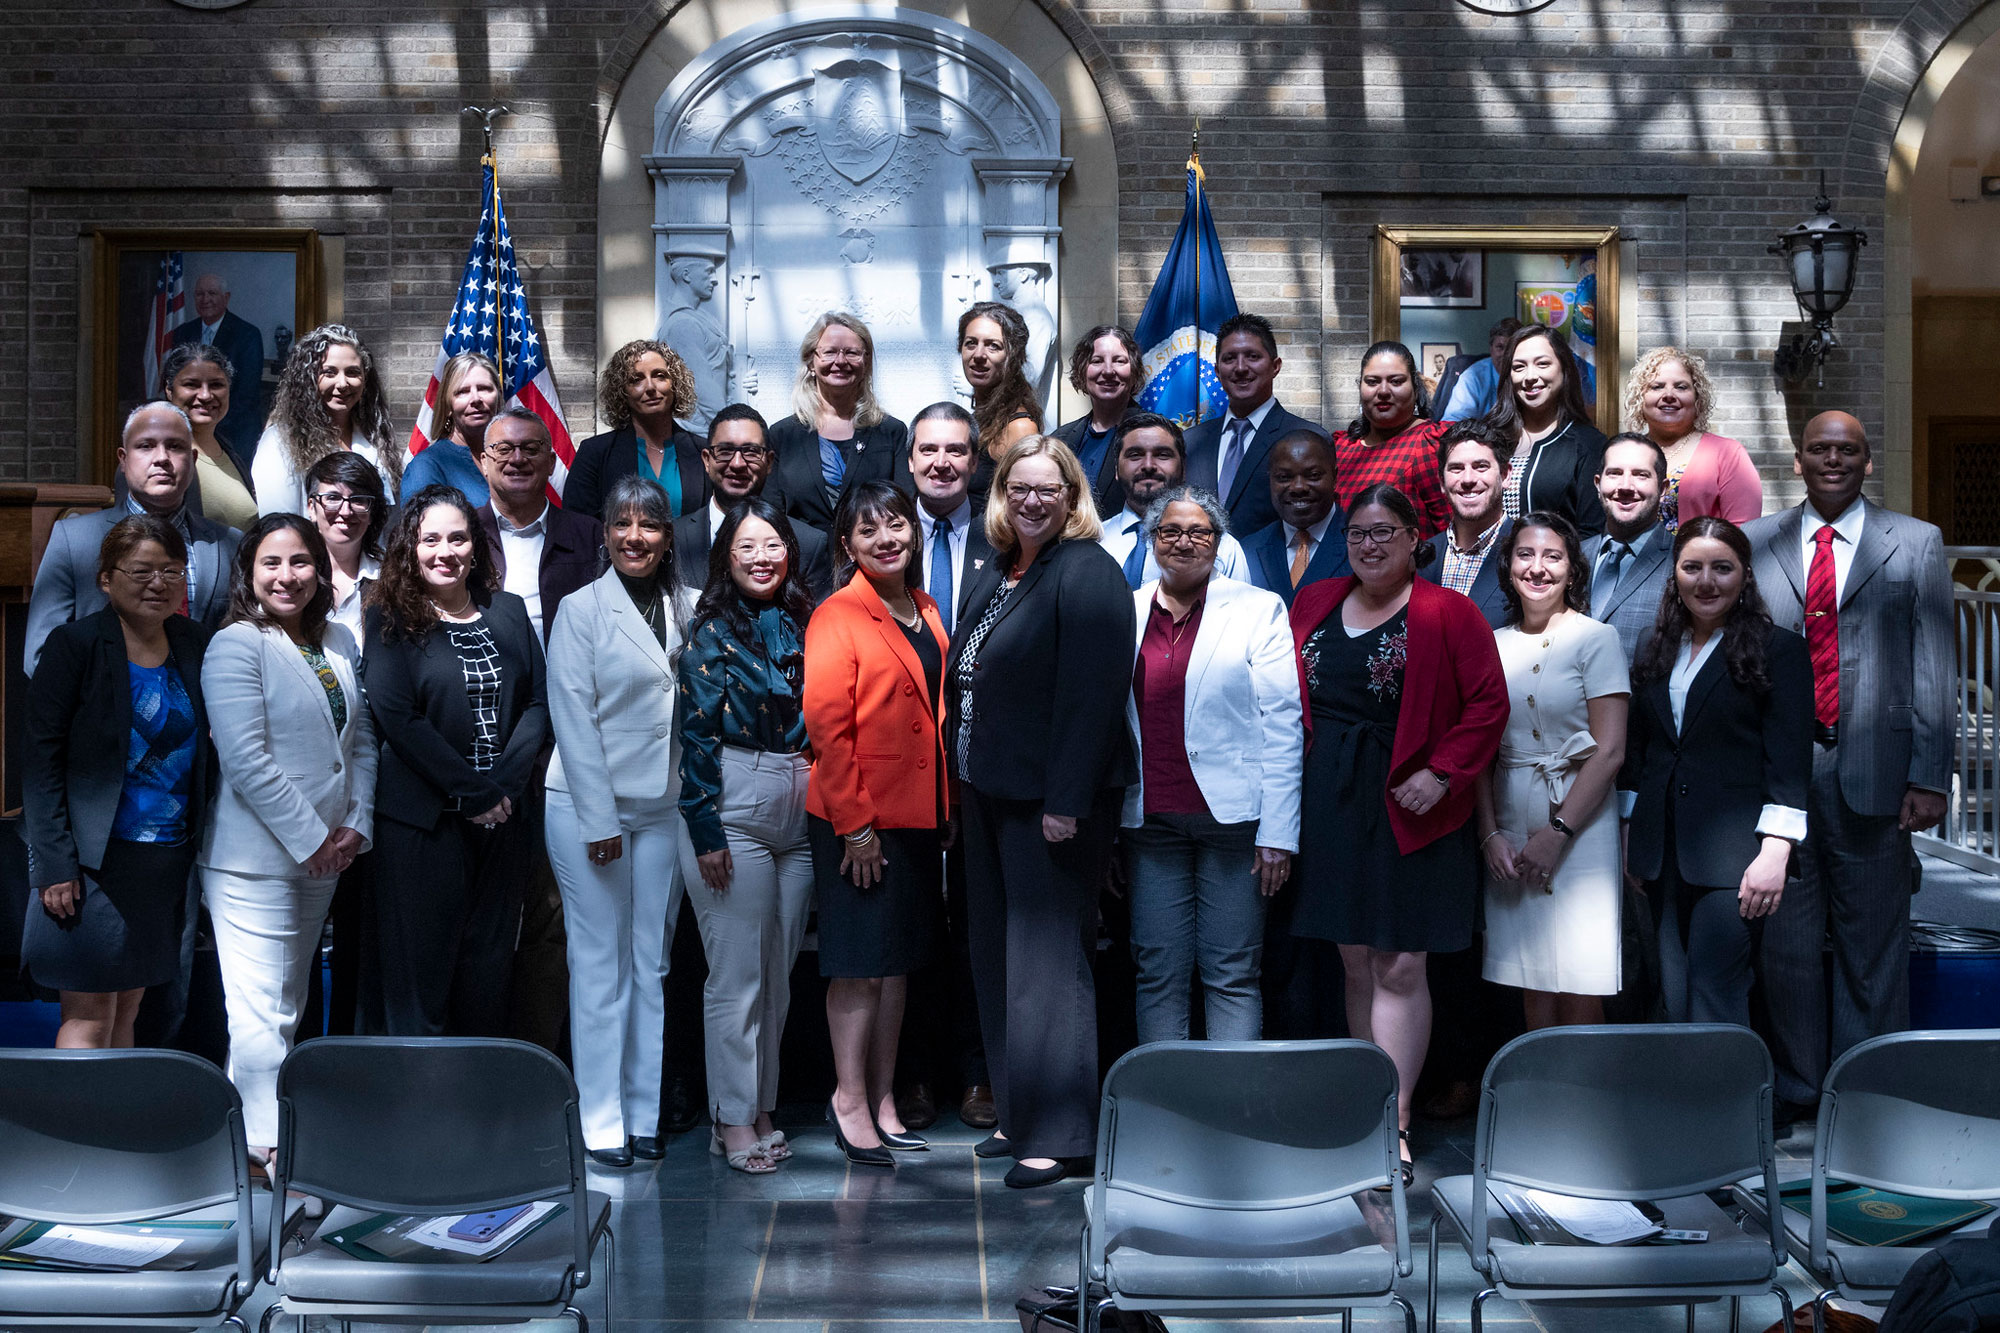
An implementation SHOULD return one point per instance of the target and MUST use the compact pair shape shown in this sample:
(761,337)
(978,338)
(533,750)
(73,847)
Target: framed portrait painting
(1446,279)
(249,292)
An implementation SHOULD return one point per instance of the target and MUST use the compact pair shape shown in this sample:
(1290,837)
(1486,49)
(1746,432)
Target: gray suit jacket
(66,583)
(1897,724)
(1635,606)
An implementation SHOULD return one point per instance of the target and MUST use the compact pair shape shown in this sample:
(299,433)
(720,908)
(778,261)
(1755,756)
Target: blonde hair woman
(837,435)
(1669,398)
(329,398)
(468,395)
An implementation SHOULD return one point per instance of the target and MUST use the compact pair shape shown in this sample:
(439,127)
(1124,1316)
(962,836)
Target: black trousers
(1706,947)
(1031,911)
(941,1043)
(442,922)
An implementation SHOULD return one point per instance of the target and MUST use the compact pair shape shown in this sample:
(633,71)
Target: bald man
(1871,592)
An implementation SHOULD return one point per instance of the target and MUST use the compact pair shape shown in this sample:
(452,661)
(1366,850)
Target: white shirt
(347,610)
(1846,536)
(715,517)
(1121,530)
(1774,821)
(521,555)
(1256,420)
(960,520)
(283,491)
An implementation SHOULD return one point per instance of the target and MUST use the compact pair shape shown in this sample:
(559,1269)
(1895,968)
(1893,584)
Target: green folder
(1864,1215)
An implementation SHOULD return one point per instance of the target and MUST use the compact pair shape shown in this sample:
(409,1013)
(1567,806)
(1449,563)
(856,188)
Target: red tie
(1823,628)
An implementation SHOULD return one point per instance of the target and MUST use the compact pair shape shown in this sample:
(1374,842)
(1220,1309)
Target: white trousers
(267,930)
(752,930)
(620,920)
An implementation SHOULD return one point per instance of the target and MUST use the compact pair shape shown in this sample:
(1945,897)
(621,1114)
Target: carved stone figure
(1021,286)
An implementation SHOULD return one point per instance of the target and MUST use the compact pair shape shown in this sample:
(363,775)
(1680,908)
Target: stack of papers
(1562,1219)
(422,1238)
(121,1248)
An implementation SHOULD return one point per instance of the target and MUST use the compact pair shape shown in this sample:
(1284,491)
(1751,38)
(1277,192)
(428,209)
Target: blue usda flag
(1191,299)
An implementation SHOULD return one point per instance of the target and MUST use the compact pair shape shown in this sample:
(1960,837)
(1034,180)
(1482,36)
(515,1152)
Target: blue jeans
(1195,905)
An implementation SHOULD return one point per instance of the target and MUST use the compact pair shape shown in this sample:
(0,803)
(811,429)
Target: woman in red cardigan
(875,804)
(1405,701)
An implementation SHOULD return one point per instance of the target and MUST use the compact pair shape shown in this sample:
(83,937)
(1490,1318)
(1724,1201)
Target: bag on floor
(1953,1289)
(1053,1310)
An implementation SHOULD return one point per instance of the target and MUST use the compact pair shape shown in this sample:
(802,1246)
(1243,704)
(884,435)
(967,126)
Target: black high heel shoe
(904,1142)
(858,1156)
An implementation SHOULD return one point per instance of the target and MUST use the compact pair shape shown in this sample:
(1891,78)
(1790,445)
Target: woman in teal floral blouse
(743,794)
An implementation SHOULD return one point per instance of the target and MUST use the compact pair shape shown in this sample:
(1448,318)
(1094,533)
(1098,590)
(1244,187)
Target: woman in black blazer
(642,391)
(837,434)
(1718,758)
(1543,413)
(455,682)
(1035,706)
(118,776)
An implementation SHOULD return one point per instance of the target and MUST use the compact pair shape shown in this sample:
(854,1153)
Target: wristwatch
(1556,823)
(1443,781)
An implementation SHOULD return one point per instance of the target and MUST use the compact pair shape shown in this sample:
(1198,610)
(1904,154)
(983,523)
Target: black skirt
(887,930)
(126,932)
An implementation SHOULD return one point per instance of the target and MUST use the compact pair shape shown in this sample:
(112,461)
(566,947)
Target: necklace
(911,621)
(453,613)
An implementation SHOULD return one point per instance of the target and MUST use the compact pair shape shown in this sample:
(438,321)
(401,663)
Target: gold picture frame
(126,262)
(1386,311)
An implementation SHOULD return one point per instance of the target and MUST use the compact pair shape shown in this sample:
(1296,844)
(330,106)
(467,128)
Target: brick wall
(1696,124)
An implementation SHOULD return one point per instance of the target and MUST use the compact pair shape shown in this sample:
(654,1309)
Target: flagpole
(492,163)
(1194,165)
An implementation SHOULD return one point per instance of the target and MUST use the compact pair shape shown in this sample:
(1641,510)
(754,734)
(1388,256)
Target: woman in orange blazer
(876,804)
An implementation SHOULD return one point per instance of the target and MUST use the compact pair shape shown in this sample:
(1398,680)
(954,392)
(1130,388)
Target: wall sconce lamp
(1821,256)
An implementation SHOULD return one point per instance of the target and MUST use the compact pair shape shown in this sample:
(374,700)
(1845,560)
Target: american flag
(169,306)
(491,316)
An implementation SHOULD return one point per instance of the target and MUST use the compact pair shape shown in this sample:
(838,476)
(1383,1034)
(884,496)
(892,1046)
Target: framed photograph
(248,291)
(1432,359)
(1451,279)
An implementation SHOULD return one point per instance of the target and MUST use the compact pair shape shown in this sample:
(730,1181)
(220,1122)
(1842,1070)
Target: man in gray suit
(1870,591)
(156,458)
(1632,558)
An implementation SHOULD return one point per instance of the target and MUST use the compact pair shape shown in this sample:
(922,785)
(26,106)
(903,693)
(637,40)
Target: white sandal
(775,1145)
(753,1160)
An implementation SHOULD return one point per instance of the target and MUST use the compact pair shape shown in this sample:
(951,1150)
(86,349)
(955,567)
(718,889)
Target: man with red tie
(1870,591)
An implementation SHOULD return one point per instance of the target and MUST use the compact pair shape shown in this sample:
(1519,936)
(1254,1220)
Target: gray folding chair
(97,1138)
(1913,1112)
(1234,1179)
(436,1126)
(1657,1113)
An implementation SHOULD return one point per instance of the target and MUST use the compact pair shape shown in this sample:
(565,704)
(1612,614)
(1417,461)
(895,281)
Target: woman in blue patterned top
(117,782)
(743,794)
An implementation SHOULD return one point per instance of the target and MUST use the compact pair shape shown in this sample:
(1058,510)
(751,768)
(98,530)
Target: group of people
(1304,704)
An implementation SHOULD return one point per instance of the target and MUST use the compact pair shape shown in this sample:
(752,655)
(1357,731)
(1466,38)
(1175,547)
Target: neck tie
(1823,628)
(1610,568)
(1301,554)
(1232,457)
(940,589)
(1135,560)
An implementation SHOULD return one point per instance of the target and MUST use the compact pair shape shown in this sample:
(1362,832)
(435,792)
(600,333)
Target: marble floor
(940,1245)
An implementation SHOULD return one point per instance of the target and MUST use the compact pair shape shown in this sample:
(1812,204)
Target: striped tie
(1823,628)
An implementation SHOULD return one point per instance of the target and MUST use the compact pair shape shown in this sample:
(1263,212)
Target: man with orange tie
(1309,541)
(1870,591)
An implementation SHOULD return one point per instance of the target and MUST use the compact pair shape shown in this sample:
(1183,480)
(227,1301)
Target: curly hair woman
(329,398)
(644,388)
(993,356)
(1669,397)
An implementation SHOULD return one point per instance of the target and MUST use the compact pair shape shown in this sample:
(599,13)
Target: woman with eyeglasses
(344,500)
(468,396)
(1405,701)
(744,770)
(1042,756)
(1211,825)
(837,434)
(115,795)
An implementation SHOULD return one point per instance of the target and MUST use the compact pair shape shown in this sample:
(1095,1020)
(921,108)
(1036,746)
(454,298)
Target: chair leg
(237,1320)
(1478,1325)
(1409,1312)
(1096,1308)
(1347,1321)
(1785,1304)
(1690,1318)
(610,1277)
(1735,1314)
(582,1321)
(1431,1286)
(270,1315)
(1819,1309)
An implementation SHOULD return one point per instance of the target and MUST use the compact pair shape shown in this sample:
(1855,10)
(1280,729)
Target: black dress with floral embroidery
(1355,886)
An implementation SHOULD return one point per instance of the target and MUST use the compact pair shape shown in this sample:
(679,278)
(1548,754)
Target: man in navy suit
(1231,454)
(1632,559)
(243,343)
(1474,458)
(1309,541)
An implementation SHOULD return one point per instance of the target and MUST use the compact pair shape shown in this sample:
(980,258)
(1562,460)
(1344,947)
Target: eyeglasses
(1381,536)
(169,577)
(724,452)
(842,354)
(773,549)
(333,502)
(1175,536)
(527,453)
(1048,495)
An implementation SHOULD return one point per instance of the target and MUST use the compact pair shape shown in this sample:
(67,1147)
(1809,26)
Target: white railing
(1970,834)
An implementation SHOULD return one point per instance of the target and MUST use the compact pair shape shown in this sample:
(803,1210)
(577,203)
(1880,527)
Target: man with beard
(1309,541)
(1152,455)
(1632,559)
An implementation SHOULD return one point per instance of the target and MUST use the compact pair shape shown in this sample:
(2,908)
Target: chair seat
(1167,1251)
(1878,1268)
(204,1290)
(536,1270)
(1729,1257)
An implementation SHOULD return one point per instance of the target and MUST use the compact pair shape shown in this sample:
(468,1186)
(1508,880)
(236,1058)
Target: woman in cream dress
(1549,832)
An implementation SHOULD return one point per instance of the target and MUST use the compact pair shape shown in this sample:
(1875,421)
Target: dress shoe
(916,1107)
(904,1142)
(858,1156)
(993,1146)
(1020,1177)
(680,1106)
(612,1157)
(976,1108)
(650,1149)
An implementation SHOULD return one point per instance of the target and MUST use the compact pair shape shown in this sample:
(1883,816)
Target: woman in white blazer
(613,822)
(295,804)
(1211,825)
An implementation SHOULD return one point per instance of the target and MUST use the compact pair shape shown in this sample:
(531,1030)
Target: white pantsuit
(615,775)
(289,780)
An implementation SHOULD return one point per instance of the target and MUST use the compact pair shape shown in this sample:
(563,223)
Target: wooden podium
(27,512)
